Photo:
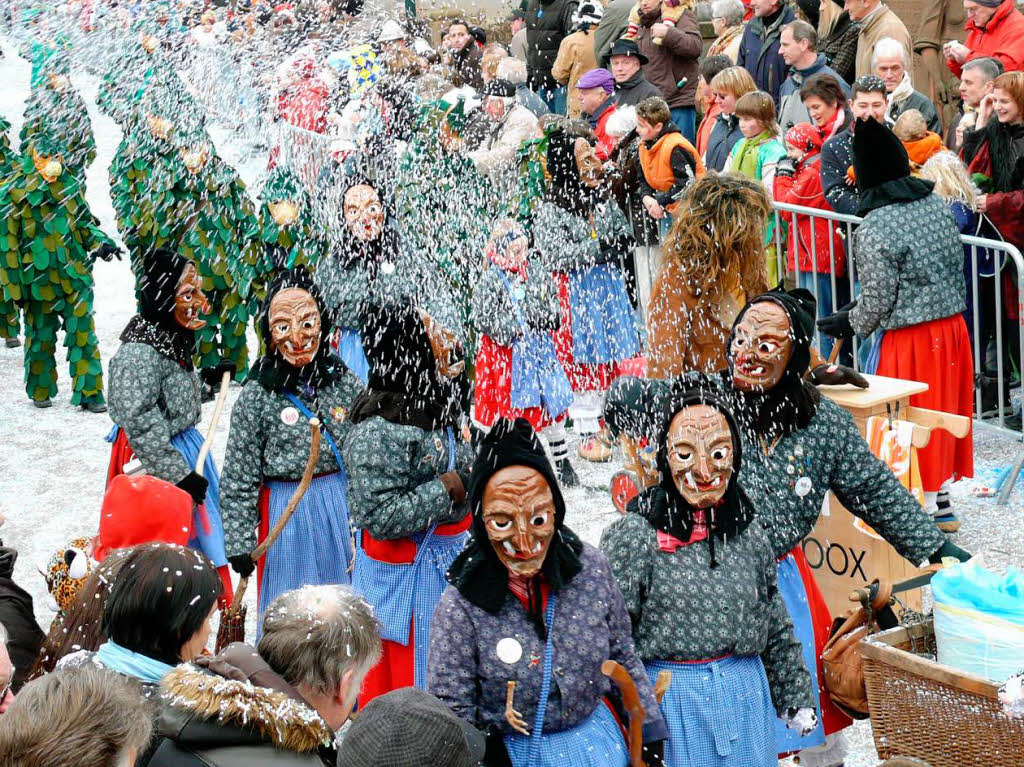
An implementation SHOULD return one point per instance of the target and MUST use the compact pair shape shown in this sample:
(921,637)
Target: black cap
(878,155)
(410,728)
(499,87)
(627,48)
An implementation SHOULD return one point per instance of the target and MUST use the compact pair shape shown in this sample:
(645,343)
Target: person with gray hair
(727,21)
(282,700)
(83,716)
(976,81)
(890,60)
(514,70)
(798,46)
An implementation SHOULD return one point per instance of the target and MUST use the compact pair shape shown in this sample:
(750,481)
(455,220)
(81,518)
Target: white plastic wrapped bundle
(979,620)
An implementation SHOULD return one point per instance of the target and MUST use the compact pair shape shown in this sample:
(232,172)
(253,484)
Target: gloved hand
(108,252)
(195,485)
(211,375)
(949,549)
(455,482)
(838,324)
(831,374)
(654,753)
(242,564)
(785,167)
(802,721)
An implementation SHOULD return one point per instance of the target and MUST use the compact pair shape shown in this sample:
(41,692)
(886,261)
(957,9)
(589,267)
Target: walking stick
(631,701)
(222,397)
(232,621)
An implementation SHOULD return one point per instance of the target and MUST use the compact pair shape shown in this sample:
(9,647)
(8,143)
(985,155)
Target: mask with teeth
(519,516)
(761,347)
(189,300)
(363,211)
(700,455)
(295,326)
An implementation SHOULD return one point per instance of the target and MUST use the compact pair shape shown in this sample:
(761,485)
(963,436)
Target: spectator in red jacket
(821,256)
(596,92)
(994,28)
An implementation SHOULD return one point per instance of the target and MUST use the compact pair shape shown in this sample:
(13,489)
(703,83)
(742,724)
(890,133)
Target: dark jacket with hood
(635,89)
(759,50)
(23,633)
(723,138)
(674,59)
(718,596)
(547,23)
(233,710)
(836,160)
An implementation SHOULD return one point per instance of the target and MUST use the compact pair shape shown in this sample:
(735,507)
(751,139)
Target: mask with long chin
(589,167)
(519,515)
(284,212)
(295,326)
(700,455)
(363,212)
(190,301)
(762,346)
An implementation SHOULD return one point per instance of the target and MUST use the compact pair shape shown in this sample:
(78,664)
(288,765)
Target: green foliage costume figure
(9,314)
(55,101)
(286,220)
(47,250)
(129,77)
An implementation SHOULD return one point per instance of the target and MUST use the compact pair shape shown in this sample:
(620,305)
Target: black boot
(12,342)
(94,404)
(566,473)
(42,403)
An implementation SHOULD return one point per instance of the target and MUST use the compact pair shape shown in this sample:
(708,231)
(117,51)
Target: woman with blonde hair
(726,88)
(713,261)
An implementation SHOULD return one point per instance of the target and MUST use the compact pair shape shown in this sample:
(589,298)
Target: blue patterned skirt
(315,547)
(791,586)
(208,534)
(719,713)
(597,740)
(603,326)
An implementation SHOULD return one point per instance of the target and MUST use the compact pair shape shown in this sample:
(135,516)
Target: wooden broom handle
(631,702)
(307,477)
(222,397)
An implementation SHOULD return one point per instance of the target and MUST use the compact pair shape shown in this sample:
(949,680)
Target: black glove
(654,753)
(108,252)
(785,167)
(831,374)
(949,549)
(837,325)
(242,564)
(195,485)
(211,376)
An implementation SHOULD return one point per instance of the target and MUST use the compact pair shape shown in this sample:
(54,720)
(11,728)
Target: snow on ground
(53,462)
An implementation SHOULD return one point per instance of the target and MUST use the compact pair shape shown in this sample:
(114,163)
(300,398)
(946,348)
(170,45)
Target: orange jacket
(656,162)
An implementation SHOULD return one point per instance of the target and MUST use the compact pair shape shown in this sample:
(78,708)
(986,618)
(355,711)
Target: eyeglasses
(7,687)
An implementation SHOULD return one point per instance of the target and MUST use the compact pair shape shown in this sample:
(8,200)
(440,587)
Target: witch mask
(700,454)
(284,212)
(445,346)
(295,326)
(761,347)
(587,164)
(519,516)
(364,213)
(189,300)
(49,168)
(159,126)
(194,158)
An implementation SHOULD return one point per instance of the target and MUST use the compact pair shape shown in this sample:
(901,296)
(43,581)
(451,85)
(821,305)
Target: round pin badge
(289,416)
(803,486)
(519,292)
(388,267)
(509,650)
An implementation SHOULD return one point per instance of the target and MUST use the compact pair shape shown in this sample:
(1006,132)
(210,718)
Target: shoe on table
(592,448)
(566,474)
(12,342)
(42,403)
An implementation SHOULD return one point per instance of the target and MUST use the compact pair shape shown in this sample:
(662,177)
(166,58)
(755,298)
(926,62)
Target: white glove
(803,721)
(1011,695)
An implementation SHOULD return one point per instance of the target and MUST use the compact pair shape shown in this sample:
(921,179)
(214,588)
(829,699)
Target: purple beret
(597,78)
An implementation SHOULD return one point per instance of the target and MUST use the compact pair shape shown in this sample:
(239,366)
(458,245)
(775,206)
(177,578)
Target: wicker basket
(923,709)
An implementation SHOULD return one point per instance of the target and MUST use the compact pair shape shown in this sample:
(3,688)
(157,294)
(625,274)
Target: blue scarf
(132,664)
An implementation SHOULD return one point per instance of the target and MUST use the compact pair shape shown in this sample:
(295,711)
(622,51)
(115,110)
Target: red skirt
(493,387)
(939,354)
(582,377)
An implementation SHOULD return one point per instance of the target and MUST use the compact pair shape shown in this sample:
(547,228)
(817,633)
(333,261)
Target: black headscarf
(477,572)
(882,167)
(273,372)
(566,189)
(404,384)
(155,325)
(792,402)
(668,510)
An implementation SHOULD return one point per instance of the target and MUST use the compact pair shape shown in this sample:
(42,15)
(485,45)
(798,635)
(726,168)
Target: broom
(232,621)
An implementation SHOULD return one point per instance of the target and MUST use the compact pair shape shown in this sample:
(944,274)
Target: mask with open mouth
(190,301)
(700,454)
(364,212)
(295,326)
(519,516)
(761,347)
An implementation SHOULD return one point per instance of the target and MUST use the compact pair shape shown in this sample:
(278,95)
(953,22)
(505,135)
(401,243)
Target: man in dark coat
(463,55)
(631,87)
(611,27)
(869,100)
(547,23)
(759,46)
(18,628)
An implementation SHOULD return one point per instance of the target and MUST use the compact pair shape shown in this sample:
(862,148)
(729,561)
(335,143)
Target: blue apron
(538,378)
(350,349)
(400,593)
(603,325)
(596,740)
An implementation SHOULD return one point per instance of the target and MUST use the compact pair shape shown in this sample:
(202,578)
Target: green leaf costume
(299,238)
(9,314)
(67,109)
(46,255)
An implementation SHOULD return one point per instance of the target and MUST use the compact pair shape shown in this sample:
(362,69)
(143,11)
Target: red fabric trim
(262,531)
(492,393)
(397,668)
(402,551)
(120,454)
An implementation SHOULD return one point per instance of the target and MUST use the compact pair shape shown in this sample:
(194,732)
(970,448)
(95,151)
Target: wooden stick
(957,425)
(222,397)
(631,701)
(661,684)
(834,354)
(293,502)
